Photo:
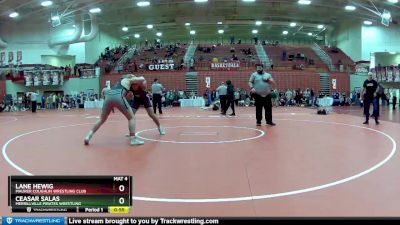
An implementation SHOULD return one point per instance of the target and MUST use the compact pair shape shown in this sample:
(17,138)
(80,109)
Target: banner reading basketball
(231,65)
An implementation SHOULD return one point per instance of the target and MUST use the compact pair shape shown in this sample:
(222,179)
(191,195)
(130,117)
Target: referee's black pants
(157,102)
(263,103)
(34,106)
(222,101)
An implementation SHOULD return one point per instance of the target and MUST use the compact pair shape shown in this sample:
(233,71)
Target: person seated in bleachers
(289,97)
(2,106)
(232,49)
(234,58)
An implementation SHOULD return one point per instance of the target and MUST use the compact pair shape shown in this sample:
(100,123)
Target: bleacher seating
(152,55)
(223,52)
(295,56)
(337,56)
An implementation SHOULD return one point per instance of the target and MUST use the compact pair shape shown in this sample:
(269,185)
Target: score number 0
(121,188)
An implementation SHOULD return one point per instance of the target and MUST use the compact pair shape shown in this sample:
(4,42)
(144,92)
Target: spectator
(43,105)
(237,97)
(222,92)
(157,90)
(369,95)
(33,99)
(259,83)
(2,106)
(275,97)
(230,98)
(234,58)
(288,96)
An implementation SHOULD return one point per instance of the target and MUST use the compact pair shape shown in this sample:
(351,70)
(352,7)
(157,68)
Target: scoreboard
(74,194)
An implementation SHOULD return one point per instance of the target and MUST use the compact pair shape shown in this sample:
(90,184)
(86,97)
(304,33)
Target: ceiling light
(293,24)
(258,23)
(158,40)
(143,3)
(304,2)
(221,31)
(200,0)
(254,31)
(393,1)
(70,32)
(95,10)
(159,34)
(137,35)
(350,8)
(14,14)
(393,53)
(125,29)
(150,26)
(367,22)
(285,32)
(310,34)
(219,23)
(386,15)
(187,24)
(54,18)
(320,26)
(248,0)
(46,3)
(192,32)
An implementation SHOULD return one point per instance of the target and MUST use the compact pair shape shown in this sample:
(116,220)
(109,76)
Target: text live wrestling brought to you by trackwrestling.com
(19,220)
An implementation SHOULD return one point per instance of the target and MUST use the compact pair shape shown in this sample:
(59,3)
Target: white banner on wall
(334,84)
(169,66)
(225,65)
(208,82)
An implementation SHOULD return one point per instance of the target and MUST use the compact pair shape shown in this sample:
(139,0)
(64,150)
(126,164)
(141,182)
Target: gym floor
(209,165)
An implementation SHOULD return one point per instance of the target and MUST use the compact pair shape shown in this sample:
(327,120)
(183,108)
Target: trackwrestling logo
(9,220)
(33,220)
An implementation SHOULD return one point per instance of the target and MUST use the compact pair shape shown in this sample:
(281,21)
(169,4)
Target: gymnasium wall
(71,86)
(14,87)
(170,80)
(95,47)
(380,39)
(283,79)
(342,82)
(32,40)
(76,85)
(348,37)
(2,89)
(357,81)
(58,60)
(387,59)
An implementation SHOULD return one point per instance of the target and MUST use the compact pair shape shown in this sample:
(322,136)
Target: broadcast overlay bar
(70,194)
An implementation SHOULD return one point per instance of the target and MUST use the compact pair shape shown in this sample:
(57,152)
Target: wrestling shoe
(136,141)
(88,137)
(161,130)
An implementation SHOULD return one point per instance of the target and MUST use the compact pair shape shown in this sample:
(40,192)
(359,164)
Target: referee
(259,83)
(157,90)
